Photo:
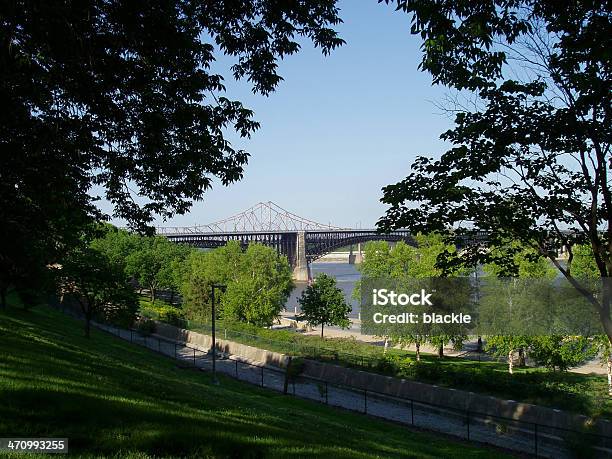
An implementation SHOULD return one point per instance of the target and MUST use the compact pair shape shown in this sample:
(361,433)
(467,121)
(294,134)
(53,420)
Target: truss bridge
(301,240)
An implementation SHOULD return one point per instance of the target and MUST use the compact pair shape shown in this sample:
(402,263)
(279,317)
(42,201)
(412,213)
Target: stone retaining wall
(204,342)
(452,398)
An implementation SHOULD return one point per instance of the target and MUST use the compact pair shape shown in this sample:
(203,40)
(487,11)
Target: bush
(395,365)
(170,315)
(164,313)
(428,372)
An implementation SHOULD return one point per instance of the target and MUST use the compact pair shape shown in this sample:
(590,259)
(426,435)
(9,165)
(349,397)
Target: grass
(581,393)
(114,399)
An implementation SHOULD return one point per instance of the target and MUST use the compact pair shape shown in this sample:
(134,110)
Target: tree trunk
(386,345)
(441,351)
(322,325)
(152,294)
(521,357)
(418,351)
(604,311)
(610,375)
(287,373)
(511,362)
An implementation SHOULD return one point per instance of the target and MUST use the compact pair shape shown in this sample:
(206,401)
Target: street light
(214,344)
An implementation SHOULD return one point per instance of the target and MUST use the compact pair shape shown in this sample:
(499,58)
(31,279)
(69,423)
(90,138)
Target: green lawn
(114,399)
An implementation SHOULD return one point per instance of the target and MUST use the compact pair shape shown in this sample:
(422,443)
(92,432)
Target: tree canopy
(119,100)
(323,303)
(409,267)
(258,282)
(530,160)
(99,286)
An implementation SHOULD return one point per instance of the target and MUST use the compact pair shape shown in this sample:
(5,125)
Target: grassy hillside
(113,399)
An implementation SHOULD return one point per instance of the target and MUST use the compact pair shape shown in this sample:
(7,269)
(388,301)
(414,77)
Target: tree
(100,288)
(531,146)
(201,270)
(169,275)
(151,263)
(403,264)
(120,97)
(258,282)
(506,346)
(441,340)
(116,244)
(585,269)
(511,261)
(557,352)
(259,291)
(323,303)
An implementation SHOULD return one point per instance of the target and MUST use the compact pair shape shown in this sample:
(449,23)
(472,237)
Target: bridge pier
(356,258)
(301,271)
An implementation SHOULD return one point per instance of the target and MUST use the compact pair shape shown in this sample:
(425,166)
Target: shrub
(393,364)
(429,372)
(164,313)
(170,315)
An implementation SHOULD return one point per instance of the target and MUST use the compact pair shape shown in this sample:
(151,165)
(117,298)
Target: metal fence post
(468,424)
(326,392)
(365,401)
(194,364)
(175,351)
(262,376)
(236,368)
(412,410)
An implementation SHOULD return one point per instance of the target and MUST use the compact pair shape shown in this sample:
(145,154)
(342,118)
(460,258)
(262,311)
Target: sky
(338,128)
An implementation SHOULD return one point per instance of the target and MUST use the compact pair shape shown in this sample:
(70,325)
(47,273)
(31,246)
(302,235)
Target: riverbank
(469,349)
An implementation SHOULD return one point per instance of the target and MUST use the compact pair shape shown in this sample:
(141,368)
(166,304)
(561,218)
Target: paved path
(500,432)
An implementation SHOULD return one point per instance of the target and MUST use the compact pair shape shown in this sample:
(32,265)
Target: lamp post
(214,343)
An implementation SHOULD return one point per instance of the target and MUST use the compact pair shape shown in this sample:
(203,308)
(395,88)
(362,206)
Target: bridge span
(301,240)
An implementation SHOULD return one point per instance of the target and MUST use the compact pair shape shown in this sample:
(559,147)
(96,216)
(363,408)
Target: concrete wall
(204,342)
(459,399)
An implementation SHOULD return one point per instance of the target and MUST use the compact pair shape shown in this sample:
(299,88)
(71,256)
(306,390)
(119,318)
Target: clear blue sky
(338,128)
